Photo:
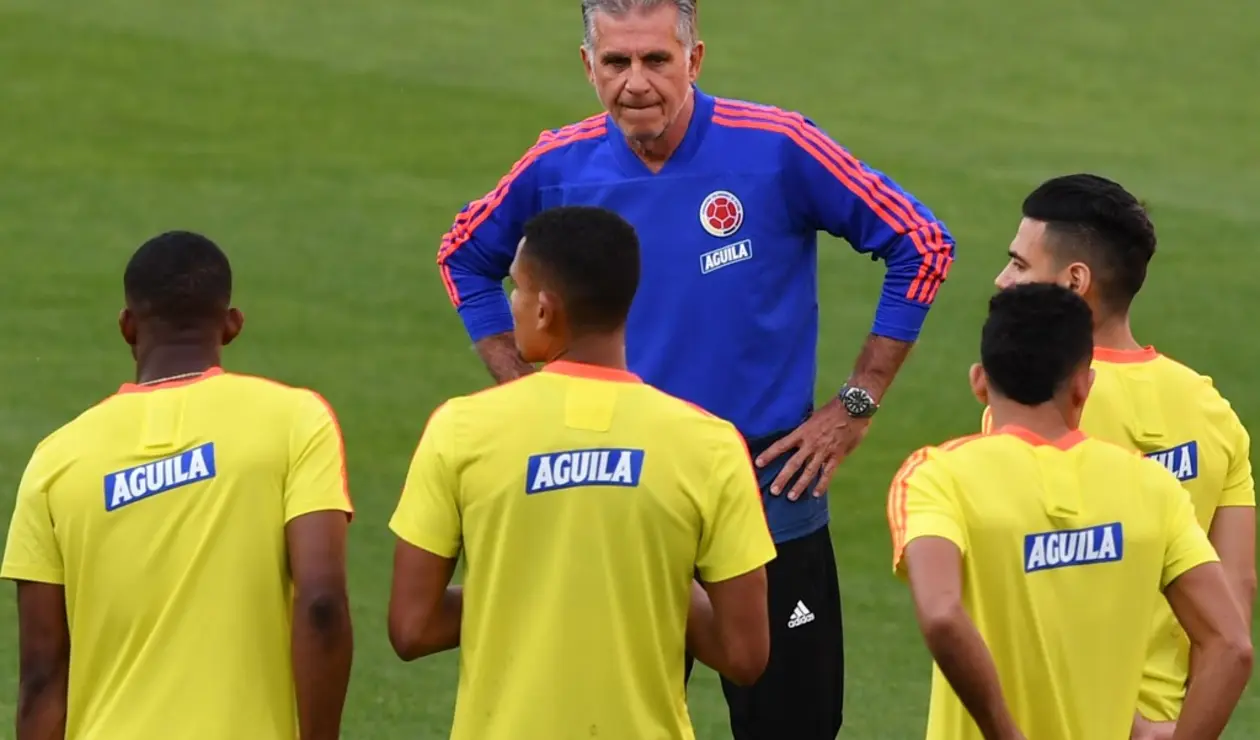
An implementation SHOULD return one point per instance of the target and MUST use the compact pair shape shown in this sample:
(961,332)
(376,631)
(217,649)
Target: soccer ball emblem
(721,214)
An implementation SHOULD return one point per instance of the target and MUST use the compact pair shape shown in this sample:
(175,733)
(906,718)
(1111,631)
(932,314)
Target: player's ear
(233,323)
(1079,278)
(588,64)
(1079,390)
(548,312)
(696,60)
(979,383)
(127,326)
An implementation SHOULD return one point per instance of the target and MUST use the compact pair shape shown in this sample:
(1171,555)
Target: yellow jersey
(584,503)
(1148,403)
(1066,546)
(162,512)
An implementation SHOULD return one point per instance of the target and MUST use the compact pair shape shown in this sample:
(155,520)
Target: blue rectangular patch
(554,471)
(739,251)
(1182,461)
(1070,547)
(159,476)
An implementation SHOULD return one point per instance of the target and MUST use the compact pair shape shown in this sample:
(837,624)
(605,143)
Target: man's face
(641,71)
(532,317)
(1031,259)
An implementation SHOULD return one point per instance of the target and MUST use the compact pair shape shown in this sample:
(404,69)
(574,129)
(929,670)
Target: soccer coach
(728,198)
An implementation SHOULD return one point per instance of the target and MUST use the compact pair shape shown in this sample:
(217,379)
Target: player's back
(1147,402)
(583,502)
(169,504)
(1065,552)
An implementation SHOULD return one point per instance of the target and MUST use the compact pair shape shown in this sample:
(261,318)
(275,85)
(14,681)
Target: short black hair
(180,278)
(1096,221)
(590,256)
(1036,336)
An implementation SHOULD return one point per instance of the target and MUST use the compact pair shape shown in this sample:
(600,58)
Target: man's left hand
(821,442)
(1145,729)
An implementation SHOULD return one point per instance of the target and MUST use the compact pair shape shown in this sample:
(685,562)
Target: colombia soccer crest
(721,214)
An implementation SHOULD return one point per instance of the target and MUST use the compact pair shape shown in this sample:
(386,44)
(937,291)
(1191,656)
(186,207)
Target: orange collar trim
(1066,442)
(1146,354)
(175,383)
(593,372)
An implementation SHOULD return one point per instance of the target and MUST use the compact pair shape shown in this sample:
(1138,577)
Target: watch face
(858,402)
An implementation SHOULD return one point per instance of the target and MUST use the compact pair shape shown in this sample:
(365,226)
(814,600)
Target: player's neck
(604,351)
(1046,421)
(656,152)
(175,360)
(1115,333)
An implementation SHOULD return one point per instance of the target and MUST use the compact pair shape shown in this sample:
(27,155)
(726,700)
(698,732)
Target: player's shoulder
(578,137)
(74,436)
(688,419)
(764,122)
(270,394)
(1170,374)
(489,408)
(947,454)
(1197,388)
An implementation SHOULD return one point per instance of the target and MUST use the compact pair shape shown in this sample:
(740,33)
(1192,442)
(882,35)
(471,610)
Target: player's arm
(1198,591)
(728,625)
(322,641)
(317,512)
(475,255)
(1233,528)
(32,558)
(929,540)
(839,194)
(425,611)
(43,660)
(1233,535)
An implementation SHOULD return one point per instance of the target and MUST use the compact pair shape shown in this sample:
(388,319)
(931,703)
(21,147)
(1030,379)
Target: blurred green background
(327,146)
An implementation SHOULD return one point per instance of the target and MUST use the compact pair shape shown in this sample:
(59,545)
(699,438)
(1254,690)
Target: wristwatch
(858,402)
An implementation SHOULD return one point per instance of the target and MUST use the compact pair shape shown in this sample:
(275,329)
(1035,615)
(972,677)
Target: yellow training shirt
(584,501)
(1146,402)
(1066,546)
(162,511)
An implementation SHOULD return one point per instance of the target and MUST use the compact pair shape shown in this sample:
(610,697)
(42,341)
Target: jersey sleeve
(428,515)
(735,538)
(317,479)
(922,502)
(32,552)
(841,195)
(477,252)
(1240,486)
(1187,544)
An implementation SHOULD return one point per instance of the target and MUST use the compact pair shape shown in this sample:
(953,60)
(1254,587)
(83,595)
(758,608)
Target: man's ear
(232,325)
(550,312)
(127,326)
(1079,278)
(588,64)
(979,383)
(696,61)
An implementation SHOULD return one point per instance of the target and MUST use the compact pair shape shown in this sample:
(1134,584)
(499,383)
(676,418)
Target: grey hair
(618,8)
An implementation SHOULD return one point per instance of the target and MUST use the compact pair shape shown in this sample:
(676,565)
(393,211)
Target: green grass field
(328,145)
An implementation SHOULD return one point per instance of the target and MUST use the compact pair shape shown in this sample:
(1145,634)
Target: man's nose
(637,82)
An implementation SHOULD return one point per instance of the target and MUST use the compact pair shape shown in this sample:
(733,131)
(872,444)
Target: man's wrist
(858,402)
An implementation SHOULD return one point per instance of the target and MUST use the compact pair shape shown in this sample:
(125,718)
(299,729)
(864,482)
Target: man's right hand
(502,358)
